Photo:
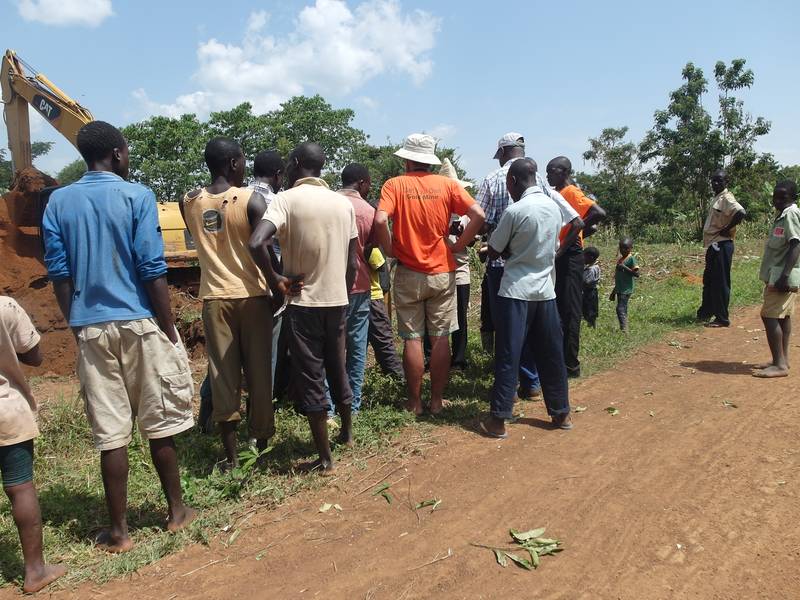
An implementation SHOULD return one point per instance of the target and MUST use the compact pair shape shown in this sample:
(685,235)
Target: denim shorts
(16,463)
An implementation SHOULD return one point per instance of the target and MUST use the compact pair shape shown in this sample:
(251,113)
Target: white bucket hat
(448,170)
(419,148)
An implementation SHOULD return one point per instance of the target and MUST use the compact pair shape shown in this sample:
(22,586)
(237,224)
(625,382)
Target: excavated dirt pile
(22,272)
(24,278)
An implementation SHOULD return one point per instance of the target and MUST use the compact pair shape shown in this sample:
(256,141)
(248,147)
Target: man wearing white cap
(420,204)
(494,198)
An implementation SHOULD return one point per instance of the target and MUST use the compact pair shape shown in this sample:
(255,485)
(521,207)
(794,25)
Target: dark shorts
(317,345)
(16,463)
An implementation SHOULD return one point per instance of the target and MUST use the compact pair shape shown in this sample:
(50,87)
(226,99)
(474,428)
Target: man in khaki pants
(105,256)
(420,204)
(237,309)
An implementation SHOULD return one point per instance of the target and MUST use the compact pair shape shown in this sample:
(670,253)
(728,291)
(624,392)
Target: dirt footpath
(677,496)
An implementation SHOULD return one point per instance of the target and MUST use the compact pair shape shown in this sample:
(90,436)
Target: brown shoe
(562,422)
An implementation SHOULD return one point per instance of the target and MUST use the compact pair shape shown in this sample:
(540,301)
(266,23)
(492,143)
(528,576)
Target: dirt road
(677,496)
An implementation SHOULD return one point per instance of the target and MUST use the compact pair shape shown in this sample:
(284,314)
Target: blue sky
(466,71)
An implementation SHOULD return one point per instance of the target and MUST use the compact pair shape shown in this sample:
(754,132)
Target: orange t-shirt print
(580,202)
(420,204)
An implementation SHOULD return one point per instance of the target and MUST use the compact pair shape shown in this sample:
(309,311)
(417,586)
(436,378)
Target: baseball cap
(510,140)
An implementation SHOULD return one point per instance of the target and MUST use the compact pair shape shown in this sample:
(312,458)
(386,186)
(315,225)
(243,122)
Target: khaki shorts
(777,305)
(239,338)
(423,302)
(130,370)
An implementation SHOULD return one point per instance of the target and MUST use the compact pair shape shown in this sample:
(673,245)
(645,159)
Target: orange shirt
(580,202)
(420,204)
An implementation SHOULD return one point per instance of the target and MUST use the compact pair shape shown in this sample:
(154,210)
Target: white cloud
(65,12)
(332,49)
(367,102)
(442,131)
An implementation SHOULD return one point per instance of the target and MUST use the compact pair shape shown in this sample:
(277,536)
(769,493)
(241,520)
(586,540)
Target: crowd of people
(292,269)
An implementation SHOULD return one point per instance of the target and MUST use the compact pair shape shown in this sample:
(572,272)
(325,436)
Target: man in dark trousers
(569,260)
(319,241)
(724,214)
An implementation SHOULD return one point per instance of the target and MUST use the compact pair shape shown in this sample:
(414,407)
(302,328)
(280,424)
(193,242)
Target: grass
(67,468)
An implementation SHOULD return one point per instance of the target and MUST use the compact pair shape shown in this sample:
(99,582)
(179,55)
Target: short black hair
(96,140)
(592,253)
(790,187)
(267,164)
(220,151)
(524,169)
(353,173)
(310,156)
(627,242)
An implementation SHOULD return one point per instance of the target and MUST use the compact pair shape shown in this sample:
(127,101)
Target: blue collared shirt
(103,233)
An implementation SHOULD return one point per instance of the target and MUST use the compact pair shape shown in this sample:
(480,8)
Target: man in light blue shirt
(105,256)
(527,315)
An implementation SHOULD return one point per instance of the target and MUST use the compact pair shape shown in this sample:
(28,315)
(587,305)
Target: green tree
(617,182)
(38,149)
(166,154)
(685,148)
(72,172)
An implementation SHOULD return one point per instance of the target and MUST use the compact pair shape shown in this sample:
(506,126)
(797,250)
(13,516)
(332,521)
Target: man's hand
(782,283)
(288,286)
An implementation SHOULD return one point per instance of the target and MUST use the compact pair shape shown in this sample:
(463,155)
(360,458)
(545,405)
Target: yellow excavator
(22,88)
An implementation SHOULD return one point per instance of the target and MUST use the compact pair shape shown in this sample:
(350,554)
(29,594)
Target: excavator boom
(22,87)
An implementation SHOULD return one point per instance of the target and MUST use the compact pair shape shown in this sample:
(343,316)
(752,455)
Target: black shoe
(574,374)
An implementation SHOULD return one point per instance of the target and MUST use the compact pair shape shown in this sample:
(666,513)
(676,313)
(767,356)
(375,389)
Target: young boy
(780,274)
(627,269)
(19,343)
(381,337)
(591,279)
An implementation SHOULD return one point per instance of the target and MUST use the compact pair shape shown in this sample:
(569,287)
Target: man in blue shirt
(527,315)
(105,256)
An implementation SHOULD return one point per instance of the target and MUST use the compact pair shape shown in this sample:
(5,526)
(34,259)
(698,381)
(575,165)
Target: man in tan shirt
(317,230)
(237,309)
(724,214)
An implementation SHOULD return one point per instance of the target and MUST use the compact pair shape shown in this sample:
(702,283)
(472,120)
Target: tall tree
(685,147)
(618,172)
(72,172)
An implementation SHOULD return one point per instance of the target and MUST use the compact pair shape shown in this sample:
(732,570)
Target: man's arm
(352,263)
(782,283)
(158,292)
(737,218)
(32,357)
(64,289)
(476,220)
(260,251)
(593,216)
(383,236)
(575,227)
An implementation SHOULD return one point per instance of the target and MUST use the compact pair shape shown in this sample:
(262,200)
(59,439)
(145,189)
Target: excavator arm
(21,87)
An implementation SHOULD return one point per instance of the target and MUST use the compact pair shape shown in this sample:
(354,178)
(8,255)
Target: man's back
(420,204)
(315,226)
(103,233)
(365,217)
(17,406)
(220,227)
(529,229)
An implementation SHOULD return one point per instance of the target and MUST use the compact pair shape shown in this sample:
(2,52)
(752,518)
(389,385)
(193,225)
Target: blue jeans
(357,339)
(536,326)
(528,375)
(357,330)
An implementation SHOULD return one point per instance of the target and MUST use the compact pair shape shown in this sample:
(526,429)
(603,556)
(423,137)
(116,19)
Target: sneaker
(528,393)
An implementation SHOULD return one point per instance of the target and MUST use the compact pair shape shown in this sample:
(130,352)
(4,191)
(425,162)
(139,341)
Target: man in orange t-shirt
(420,204)
(569,261)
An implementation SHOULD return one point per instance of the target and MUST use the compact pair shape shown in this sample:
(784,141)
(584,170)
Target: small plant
(531,542)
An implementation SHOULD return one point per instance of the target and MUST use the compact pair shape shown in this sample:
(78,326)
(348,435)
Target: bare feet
(414,407)
(766,365)
(35,582)
(438,407)
(320,467)
(175,524)
(106,541)
(771,372)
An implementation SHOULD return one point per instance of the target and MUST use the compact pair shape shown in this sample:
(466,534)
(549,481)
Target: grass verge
(67,468)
